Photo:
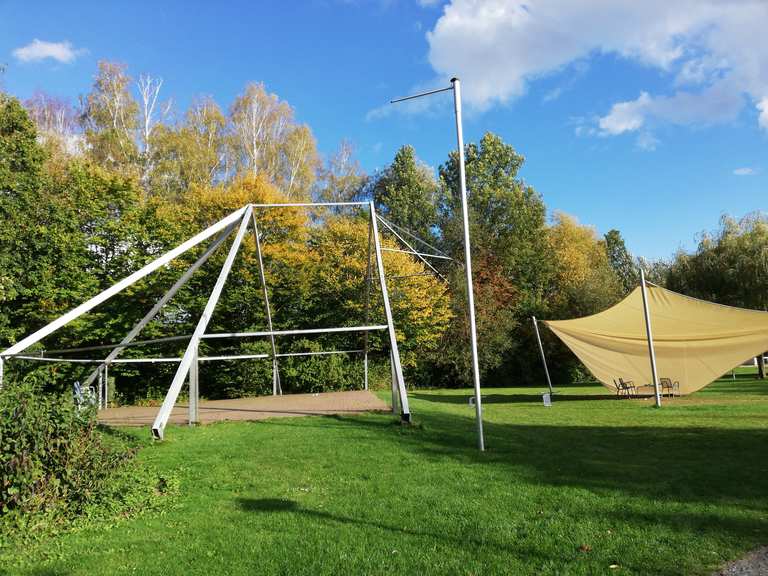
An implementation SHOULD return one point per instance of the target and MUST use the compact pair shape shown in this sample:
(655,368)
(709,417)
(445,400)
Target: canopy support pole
(649,333)
(541,351)
(164,413)
(276,387)
(405,412)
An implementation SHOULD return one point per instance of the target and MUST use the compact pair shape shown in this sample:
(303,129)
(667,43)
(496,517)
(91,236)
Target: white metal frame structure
(187,370)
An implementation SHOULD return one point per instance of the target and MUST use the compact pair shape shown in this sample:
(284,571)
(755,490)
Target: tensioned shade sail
(695,341)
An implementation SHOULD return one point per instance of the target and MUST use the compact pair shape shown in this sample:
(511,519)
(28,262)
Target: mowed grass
(592,485)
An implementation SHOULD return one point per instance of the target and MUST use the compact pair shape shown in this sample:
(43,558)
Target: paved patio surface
(258,408)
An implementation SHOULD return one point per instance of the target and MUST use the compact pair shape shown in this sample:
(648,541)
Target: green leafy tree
(510,252)
(406,193)
(40,266)
(729,266)
(194,152)
(621,260)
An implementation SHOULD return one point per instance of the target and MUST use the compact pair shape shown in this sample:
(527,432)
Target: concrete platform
(258,408)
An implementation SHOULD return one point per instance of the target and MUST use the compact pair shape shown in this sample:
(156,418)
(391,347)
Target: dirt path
(753,564)
(252,408)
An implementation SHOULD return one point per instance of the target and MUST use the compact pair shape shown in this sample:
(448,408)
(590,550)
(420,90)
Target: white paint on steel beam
(367,303)
(275,372)
(541,351)
(194,390)
(405,411)
(308,204)
(468,264)
(124,283)
(181,373)
(295,332)
(164,300)
(649,334)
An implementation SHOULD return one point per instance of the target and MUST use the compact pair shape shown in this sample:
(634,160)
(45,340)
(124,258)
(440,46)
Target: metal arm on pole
(541,351)
(651,352)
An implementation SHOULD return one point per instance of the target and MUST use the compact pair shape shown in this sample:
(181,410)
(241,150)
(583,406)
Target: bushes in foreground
(56,464)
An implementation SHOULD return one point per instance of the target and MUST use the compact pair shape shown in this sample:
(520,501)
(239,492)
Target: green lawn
(573,489)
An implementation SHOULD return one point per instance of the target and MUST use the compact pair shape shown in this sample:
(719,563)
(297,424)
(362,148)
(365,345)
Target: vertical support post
(106,386)
(468,264)
(164,413)
(541,351)
(405,412)
(194,389)
(367,306)
(393,383)
(101,388)
(276,387)
(649,333)
(2,370)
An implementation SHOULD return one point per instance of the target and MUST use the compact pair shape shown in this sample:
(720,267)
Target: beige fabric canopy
(695,341)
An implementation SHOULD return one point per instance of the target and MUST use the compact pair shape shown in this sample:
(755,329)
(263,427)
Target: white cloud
(716,104)
(707,48)
(38,50)
(625,116)
(746,171)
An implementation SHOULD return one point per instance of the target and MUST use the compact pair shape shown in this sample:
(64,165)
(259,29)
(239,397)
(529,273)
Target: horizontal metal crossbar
(321,353)
(297,332)
(308,204)
(105,346)
(186,337)
(201,358)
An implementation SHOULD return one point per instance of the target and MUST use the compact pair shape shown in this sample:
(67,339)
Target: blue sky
(640,116)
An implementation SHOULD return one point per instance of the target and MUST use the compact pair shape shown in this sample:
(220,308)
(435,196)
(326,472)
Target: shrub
(51,453)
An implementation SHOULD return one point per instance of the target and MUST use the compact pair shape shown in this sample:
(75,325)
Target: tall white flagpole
(456,88)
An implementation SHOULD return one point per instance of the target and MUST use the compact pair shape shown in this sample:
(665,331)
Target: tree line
(90,193)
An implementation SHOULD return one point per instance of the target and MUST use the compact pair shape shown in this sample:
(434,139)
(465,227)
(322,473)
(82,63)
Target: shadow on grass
(509,398)
(290,506)
(686,464)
